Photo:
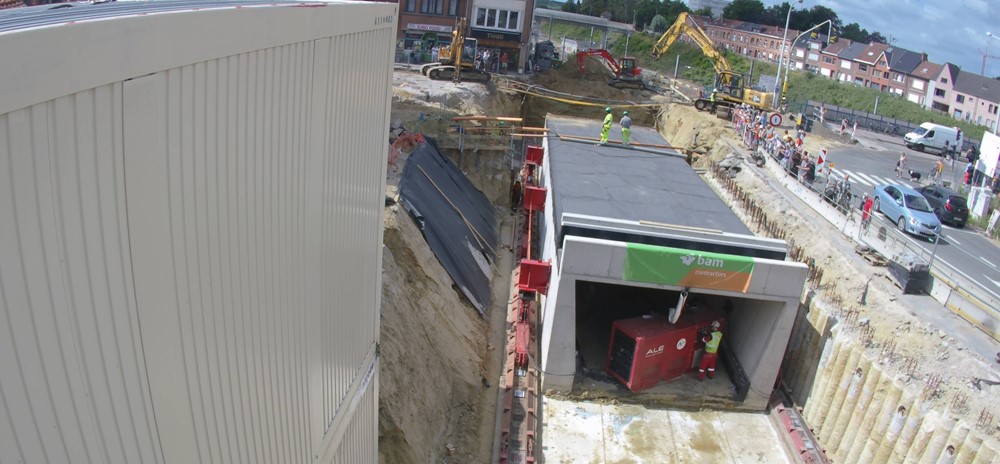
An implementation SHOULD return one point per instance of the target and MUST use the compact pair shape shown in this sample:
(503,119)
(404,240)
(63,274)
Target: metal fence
(868,121)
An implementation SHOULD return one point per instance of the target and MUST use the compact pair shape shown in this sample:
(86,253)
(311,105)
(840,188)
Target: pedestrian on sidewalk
(626,124)
(937,170)
(503,62)
(606,127)
(866,211)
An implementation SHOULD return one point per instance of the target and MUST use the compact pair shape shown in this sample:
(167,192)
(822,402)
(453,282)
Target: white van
(934,136)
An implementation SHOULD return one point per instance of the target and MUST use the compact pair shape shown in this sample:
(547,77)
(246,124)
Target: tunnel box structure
(648,349)
(628,232)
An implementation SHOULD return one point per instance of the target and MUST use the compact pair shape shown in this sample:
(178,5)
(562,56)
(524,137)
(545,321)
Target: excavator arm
(598,53)
(685,25)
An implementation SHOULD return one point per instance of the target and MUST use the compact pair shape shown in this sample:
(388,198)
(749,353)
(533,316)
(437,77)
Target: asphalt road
(970,254)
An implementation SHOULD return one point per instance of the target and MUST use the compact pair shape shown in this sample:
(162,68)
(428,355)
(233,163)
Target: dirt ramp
(680,123)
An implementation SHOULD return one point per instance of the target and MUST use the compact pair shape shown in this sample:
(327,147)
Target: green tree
(706,11)
(805,19)
(670,9)
(659,24)
(744,10)
(644,12)
(877,36)
(854,32)
(570,7)
(593,7)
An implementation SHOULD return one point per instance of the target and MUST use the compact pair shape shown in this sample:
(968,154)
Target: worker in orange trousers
(711,340)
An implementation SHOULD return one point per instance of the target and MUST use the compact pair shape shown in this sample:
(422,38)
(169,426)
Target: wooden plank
(486,118)
(618,142)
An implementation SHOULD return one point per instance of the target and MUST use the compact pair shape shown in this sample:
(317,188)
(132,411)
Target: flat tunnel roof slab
(616,182)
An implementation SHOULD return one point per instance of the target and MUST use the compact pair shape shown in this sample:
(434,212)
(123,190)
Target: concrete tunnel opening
(600,305)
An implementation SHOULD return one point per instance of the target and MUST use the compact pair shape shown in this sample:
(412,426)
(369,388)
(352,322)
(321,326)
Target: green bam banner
(687,268)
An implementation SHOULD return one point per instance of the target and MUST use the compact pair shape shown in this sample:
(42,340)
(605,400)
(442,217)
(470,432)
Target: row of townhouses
(887,68)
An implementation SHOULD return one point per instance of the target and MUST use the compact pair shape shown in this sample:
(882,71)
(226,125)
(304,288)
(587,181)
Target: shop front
(496,44)
(419,42)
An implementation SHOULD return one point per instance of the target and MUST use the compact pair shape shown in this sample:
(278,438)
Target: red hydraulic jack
(519,420)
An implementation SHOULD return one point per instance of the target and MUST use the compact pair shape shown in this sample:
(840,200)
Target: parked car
(908,209)
(947,204)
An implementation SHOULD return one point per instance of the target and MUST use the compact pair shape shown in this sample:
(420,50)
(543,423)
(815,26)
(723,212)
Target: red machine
(626,72)
(648,349)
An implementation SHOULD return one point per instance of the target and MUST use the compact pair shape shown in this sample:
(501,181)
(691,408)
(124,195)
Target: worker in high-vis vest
(626,124)
(606,128)
(711,340)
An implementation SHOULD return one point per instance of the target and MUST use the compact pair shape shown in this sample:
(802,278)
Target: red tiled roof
(7,4)
(928,70)
(836,47)
(872,52)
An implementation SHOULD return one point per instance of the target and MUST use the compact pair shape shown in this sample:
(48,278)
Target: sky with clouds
(947,30)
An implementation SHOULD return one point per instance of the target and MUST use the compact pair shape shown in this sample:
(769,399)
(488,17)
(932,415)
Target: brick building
(748,39)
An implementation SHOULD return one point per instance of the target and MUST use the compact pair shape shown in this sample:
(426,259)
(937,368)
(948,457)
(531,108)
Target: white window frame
(486,20)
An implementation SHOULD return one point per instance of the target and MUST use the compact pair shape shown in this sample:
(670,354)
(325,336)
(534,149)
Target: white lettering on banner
(711,273)
(654,351)
(708,262)
(428,27)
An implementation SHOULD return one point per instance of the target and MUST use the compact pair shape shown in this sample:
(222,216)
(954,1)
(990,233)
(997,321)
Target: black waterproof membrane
(457,220)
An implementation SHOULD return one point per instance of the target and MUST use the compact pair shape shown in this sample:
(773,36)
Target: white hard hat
(715,324)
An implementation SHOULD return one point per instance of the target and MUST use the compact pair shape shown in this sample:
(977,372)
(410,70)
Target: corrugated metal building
(191,229)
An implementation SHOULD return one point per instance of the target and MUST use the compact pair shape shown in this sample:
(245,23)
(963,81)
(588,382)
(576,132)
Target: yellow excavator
(730,88)
(457,60)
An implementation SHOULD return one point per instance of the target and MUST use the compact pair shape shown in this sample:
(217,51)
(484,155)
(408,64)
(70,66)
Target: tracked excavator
(626,72)
(730,87)
(457,60)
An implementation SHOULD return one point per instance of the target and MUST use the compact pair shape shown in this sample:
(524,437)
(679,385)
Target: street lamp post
(996,123)
(788,62)
(781,56)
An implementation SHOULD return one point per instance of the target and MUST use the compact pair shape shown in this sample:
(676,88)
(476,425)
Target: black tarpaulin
(457,220)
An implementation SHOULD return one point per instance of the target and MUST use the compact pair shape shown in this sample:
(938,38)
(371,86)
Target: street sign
(774,119)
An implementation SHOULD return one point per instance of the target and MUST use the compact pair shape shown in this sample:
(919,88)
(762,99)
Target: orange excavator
(626,73)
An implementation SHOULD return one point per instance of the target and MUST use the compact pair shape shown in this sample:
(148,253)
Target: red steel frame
(519,421)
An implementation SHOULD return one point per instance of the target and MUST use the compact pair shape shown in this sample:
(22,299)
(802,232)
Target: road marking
(987,262)
(862,178)
(952,240)
(994,282)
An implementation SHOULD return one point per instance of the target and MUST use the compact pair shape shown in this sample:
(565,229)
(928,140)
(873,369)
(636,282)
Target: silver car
(908,209)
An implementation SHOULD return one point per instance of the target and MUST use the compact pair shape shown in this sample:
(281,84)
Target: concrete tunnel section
(627,230)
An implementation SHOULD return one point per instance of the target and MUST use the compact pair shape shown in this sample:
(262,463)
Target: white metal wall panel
(248,244)
(72,379)
(190,260)
(362,430)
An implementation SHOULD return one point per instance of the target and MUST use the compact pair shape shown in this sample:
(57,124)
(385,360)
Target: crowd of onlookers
(757,133)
